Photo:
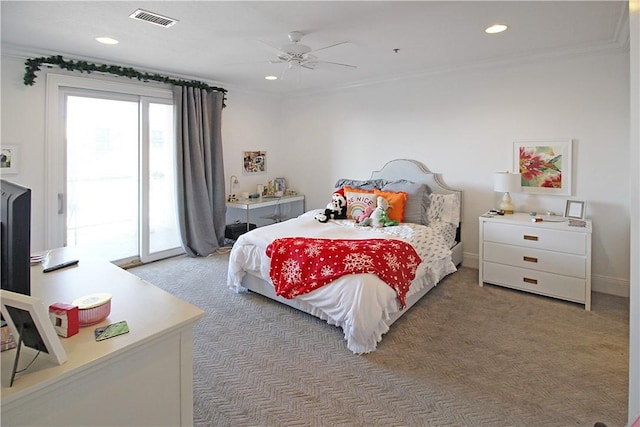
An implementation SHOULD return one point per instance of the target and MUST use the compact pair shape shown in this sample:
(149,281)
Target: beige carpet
(462,356)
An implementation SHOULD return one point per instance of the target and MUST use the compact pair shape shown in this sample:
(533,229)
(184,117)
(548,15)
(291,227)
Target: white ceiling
(223,41)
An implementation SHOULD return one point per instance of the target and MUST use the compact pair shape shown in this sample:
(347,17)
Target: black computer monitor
(15,235)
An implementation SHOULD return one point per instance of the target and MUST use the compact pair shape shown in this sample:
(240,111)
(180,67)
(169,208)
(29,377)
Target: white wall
(22,124)
(462,124)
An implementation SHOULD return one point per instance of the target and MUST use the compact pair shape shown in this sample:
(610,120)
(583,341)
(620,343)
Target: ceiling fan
(298,55)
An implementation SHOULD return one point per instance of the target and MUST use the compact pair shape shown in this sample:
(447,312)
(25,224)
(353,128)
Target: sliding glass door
(117,195)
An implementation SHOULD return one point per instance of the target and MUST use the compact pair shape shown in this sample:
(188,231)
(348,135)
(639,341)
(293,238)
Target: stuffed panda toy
(336,209)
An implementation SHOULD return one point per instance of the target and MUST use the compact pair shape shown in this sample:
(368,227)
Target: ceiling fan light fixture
(496,28)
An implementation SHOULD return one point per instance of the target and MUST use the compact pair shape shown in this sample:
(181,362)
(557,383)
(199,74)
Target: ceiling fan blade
(327,47)
(274,49)
(336,63)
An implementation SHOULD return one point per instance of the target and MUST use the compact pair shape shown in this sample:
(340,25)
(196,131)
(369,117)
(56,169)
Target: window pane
(163,223)
(102,176)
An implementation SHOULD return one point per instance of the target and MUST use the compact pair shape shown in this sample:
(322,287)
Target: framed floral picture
(544,166)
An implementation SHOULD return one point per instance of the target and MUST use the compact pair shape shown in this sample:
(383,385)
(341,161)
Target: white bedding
(358,303)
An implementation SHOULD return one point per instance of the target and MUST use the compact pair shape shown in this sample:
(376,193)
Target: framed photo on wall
(9,157)
(545,166)
(254,162)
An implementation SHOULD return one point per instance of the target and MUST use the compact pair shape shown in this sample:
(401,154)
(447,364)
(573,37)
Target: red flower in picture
(553,181)
(531,164)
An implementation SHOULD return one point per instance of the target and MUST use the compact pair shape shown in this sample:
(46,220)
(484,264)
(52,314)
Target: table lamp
(232,180)
(505,182)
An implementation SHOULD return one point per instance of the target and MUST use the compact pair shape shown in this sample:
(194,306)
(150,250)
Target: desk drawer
(536,259)
(536,237)
(539,282)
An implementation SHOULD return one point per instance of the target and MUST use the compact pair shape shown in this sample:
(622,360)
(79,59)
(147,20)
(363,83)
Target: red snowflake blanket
(300,265)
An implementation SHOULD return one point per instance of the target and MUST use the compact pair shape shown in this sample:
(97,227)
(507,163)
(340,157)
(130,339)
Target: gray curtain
(201,192)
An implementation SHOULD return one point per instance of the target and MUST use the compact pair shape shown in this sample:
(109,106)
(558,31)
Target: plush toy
(336,209)
(364,216)
(379,217)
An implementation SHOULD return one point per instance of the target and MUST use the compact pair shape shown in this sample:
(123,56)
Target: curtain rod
(32,66)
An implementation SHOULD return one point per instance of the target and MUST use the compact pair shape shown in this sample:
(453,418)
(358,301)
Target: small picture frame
(280,184)
(9,158)
(574,209)
(28,315)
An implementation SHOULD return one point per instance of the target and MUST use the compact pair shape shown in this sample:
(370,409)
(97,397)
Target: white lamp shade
(505,182)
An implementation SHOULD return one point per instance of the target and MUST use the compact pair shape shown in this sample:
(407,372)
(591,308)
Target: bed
(363,305)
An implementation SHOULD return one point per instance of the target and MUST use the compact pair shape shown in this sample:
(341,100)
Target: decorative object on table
(505,182)
(254,162)
(233,180)
(64,318)
(93,308)
(280,186)
(545,165)
(9,159)
(574,209)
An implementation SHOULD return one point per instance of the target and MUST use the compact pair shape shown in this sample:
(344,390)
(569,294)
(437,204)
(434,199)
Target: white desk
(143,378)
(250,204)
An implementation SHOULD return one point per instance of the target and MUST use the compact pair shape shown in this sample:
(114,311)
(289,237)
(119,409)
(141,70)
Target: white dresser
(548,258)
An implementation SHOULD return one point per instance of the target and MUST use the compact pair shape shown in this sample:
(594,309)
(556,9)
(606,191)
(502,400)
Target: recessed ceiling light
(107,40)
(271,78)
(496,28)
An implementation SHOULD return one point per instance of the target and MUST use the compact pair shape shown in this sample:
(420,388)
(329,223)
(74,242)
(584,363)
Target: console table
(262,202)
(142,378)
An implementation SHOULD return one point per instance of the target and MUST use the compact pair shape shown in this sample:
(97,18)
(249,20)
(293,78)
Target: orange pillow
(358,200)
(396,200)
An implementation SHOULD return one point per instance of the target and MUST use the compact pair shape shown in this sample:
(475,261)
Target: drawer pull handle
(530,259)
(528,280)
(528,237)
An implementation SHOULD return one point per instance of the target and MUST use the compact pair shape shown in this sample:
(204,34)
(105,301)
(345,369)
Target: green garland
(33,66)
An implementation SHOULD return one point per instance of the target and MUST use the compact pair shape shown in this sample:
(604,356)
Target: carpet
(464,355)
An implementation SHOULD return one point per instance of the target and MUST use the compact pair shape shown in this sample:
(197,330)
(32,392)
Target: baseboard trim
(603,284)
(610,285)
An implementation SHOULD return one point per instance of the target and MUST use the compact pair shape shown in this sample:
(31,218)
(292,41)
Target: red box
(64,318)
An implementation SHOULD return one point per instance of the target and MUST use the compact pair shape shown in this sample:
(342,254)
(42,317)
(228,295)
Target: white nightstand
(548,258)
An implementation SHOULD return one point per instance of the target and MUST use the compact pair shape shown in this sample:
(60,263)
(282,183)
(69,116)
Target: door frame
(55,145)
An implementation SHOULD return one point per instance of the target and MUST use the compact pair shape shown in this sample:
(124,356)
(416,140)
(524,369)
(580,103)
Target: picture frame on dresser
(574,209)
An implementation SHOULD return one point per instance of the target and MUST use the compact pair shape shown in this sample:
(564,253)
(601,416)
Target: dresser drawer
(536,259)
(540,282)
(536,237)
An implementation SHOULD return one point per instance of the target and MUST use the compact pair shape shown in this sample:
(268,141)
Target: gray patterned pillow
(417,199)
(369,184)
